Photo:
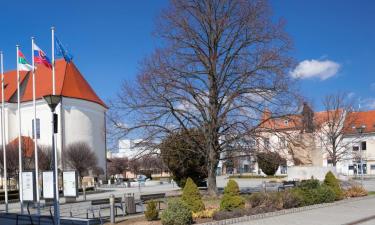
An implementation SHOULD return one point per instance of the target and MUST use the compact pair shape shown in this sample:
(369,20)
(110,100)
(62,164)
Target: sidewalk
(360,212)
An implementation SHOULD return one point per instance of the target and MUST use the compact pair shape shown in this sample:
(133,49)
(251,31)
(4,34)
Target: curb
(284,211)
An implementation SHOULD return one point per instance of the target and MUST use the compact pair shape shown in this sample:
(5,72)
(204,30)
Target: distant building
(307,148)
(128,148)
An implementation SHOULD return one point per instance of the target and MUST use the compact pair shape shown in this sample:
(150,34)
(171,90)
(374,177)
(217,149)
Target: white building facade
(81,113)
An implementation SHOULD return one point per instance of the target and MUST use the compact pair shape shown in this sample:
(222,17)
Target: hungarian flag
(22,63)
(40,57)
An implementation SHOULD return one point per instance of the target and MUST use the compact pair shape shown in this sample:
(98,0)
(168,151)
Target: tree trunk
(211,168)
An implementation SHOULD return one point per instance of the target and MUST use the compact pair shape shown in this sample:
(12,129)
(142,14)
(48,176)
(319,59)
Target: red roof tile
(69,83)
(358,119)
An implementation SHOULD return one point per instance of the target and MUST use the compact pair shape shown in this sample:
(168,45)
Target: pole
(57,213)
(19,133)
(34,130)
(361,157)
(56,205)
(53,60)
(3,142)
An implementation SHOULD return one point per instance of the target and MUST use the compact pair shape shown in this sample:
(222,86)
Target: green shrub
(151,211)
(232,188)
(269,162)
(232,199)
(177,213)
(309,184)
(192,197)
(321,194)
(331,181)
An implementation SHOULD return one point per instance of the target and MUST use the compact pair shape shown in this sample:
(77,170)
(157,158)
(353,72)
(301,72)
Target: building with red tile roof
(81,114)
(355,143)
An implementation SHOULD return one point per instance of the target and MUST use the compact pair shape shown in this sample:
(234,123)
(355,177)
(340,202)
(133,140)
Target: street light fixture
(360,131)
(53,101)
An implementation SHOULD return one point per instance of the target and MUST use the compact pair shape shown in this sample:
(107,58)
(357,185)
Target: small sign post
(28,186)
(47,184)
(70,183)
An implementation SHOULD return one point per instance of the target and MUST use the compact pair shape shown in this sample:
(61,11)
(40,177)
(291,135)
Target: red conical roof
(69,83)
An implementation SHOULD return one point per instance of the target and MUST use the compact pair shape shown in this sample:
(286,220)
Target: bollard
(112,208)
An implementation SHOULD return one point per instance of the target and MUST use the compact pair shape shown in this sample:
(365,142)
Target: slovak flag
(40,57)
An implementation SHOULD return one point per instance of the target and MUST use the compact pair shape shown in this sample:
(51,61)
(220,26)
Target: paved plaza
(360,212)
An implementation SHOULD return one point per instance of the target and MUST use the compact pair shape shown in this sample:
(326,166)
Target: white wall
(80,120)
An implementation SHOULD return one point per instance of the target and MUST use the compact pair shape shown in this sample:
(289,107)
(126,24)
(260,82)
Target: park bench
(287,184)
(159,198)
(100,204)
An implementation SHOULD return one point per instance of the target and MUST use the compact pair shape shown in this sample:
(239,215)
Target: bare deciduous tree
(80,157)
(337,118)
(117,166)
(221,65)
(44,157)
(12,160)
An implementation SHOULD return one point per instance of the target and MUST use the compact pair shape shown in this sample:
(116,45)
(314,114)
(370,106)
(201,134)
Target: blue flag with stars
(61,51)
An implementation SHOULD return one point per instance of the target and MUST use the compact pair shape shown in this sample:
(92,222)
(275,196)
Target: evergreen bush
(331,181)
(151,211)
(192,197)
(232,199)
(177,213)
(269,162)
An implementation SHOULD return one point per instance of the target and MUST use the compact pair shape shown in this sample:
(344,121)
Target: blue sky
(334,40)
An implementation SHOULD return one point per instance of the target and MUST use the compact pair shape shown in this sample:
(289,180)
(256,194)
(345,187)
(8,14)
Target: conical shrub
(192,197)
(331,181)
(232,198)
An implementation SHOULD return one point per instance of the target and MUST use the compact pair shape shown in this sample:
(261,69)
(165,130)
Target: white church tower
(81,112)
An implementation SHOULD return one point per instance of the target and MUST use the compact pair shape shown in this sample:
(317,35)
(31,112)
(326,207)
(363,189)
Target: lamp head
(52,101)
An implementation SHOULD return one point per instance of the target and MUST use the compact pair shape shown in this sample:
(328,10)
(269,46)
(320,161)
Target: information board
(70,182)
(28,186)
(47,184)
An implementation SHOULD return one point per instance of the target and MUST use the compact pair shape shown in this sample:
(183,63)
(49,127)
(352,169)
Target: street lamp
(53,101)
(360,131)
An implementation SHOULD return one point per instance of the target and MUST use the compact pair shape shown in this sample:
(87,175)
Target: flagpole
(19,133)
(3,132)
(53,60)
(57,210)
(34,130)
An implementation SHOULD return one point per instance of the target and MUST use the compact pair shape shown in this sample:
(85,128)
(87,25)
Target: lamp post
(53,101)
(360,131)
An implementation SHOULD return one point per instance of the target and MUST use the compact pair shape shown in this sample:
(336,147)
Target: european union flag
(60,50)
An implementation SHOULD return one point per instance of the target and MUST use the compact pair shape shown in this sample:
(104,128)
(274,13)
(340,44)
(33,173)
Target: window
(282,142)
(372,167)
(37,128)
(283,169)
(363,145)
(329,161)
(266,142)
(355,147)
(351,167)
